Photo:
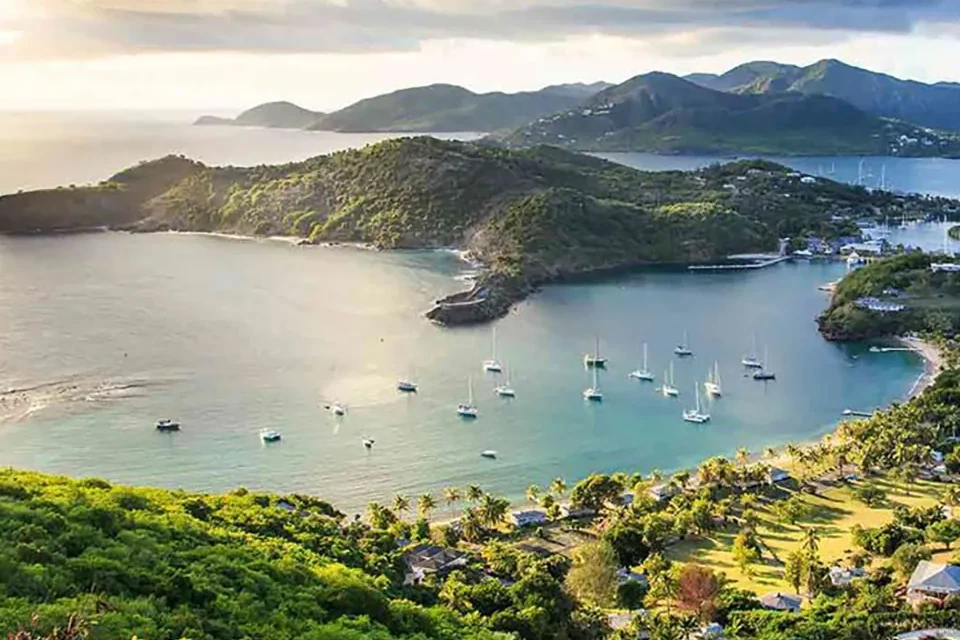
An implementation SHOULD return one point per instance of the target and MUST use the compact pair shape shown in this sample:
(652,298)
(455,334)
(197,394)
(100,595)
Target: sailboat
(270,435)
(712,385)
(643,374)
(750,361)
(682,350)
(695,415)
(505,390)
(595,360)
(466,409)
(593,393)
(762,373)
(492,365)
(668,390)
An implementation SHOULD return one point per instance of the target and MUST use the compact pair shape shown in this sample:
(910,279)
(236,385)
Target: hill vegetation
(280,115)
(931,105)
(931,300)
(665,114)
(531,215)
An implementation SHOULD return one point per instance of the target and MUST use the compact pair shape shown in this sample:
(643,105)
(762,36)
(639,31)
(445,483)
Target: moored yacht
(505,390)
(168,425)
(762,373)
(668,389)
(643,374)
(492,365)
(751,361)
(712,385)
(407,386)
(696,415)
(594,360)
(270,435)
(683,349)
(489,453)
(368,443)
(593,394)
(466,409)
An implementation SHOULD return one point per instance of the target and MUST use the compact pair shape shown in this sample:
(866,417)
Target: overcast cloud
(75,28)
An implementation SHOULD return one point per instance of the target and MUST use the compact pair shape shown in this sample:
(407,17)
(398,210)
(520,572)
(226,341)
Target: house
(712,630)
(808,180)
(842,576)
(778,601)
(661,492)
(625,499)
(625,575)
(575,513)
(875,304)
(427,558)
(285,506)
(533,517)
(930,634)
(933,580)
(945,267)
(778,475)
(619,621)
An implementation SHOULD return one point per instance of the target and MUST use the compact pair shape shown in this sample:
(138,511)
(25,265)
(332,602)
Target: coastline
(933,360)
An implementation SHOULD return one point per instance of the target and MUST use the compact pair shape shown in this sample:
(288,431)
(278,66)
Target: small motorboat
(336,409)
(368,443)
(764,375)
(168,425)
(489,453)
(406,386)
(270,435)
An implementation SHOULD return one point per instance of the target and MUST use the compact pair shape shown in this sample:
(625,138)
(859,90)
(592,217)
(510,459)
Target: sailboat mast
(644,356)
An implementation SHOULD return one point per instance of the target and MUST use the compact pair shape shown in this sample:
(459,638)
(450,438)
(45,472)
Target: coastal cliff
(530,216)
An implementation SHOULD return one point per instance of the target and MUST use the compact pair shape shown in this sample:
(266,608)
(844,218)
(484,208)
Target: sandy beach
(933,359)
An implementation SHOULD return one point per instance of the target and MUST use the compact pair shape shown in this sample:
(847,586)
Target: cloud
(77,28)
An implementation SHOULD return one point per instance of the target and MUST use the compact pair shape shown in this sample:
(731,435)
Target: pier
(761,263)
(859,414)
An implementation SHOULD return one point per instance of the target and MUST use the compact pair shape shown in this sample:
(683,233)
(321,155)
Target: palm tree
(656,476)
(451,495)
(470,525)
(401,503)
(474,493)
(426,504)
(770,452)
(493,510)
(533,493)
(558,486)
(811,541)
(743,455)
(374,512)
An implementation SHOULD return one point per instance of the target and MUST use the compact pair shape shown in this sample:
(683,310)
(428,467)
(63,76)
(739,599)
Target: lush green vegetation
(282,115)
(666,114)
(932,300)
(954,232)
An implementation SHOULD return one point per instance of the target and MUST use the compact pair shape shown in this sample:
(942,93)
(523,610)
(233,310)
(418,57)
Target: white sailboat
(762,373)
(712,385)
(695,415)
(668,390)
(593,393)
(683,349)
(505,390)
(467,409)
(492,365)
(594,360)
(270,435)
(643,374)
(750,361)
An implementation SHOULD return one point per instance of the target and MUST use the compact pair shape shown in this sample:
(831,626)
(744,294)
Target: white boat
(336,409)
(668,389)
(696,415)
(751,361)
(466,409)
(368,443)
(594,394)
(594,359)
(492,365)
(762,373)
(270,435)
(505,390)
(168,425)
(407,386)
(683,349)
(489,453)
(643,374)
(712,385)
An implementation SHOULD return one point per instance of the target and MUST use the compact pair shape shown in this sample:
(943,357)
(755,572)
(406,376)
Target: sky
(225,55)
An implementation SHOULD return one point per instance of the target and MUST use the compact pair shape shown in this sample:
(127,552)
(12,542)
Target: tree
(697,590)
(379,516)
(451,495)
(471,526)
(533,494)
(474,493)
(810,544)
(743,456)
(401,503)
(794,570)
(944,532)
(906,558)
(492,510)
(746,550)
(593,576)
(425,504)
(558,486)
(595,490)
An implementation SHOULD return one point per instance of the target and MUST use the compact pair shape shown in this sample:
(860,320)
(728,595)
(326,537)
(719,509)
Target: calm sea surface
(104,334)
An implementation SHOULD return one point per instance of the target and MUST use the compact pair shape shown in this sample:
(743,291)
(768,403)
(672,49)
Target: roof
(940,634)
(778,475)
(530,516)
(431,558)
(626,575)
(782,601)
(934,577)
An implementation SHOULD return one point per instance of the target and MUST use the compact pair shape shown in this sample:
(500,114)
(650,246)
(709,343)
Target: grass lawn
(833,513)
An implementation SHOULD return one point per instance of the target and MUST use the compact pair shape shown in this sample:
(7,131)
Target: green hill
(531,216)
(663,113)
(931,300)
(280,115)
(930,105)
(443,107)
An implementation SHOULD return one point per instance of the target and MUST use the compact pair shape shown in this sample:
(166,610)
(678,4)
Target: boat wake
(21,402)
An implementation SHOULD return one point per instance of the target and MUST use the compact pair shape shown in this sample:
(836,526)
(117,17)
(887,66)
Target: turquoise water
(116,331)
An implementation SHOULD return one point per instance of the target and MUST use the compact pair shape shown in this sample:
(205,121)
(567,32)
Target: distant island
(531,216)
(435,108)
(827,108)
(663,113)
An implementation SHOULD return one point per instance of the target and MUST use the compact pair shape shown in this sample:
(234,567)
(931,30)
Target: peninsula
(530,216)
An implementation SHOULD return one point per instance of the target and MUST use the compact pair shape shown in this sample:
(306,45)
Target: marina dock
(757,262)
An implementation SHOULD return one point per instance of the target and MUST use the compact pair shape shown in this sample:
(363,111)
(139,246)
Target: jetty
(858,414)
(745,261)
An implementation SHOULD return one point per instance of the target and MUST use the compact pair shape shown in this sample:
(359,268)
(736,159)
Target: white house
(429,558)
(661,492)
(842,576)
(933,580)
(575,513)
(533,517)
(808,180)
(946,267)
